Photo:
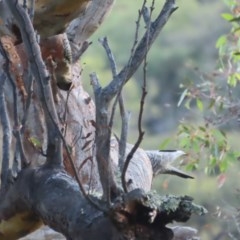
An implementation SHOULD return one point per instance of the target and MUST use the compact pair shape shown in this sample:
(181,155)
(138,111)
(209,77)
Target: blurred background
(185,49)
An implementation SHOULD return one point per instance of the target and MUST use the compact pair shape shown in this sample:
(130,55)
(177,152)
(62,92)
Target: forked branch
(103,96)
(148,39)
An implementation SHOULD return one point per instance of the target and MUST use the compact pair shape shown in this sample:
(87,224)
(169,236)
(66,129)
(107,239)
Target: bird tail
(174,171)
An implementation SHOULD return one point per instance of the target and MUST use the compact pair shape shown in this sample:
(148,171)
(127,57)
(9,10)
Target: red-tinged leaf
(221,180)
(165,185)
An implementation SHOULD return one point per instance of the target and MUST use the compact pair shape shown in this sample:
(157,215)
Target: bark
(42,194)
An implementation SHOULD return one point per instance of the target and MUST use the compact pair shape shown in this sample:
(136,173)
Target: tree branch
(45,192)
(42,77)
(105,95)
(141,50)
(17,126)
(6,137)
(110,56)
(103,135)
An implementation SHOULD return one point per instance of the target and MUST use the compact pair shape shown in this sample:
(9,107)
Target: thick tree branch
(103,135)
(45,192)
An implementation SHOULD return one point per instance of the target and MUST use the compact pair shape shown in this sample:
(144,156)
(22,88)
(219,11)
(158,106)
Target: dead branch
(147,40)
(42,78)
(136,214)
(6,137)
(10,68)
(124,132)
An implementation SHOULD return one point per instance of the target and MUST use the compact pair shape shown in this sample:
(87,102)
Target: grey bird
(162,162)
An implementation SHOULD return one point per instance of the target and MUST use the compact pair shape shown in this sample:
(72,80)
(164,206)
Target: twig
(25,4)
(65,113)
(144,93)
(140,136)
(41,75)
(16,165)
(124,132)
(138,55)
(113,67)
(17,125)
(119,99)
(110,56)
(28,101)
(136,33)
(95,82)
(6,128)
(105,95)
(146,15)
(94,204)
(111,120)
(31,9)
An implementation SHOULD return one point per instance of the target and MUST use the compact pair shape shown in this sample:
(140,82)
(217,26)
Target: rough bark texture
(42,194)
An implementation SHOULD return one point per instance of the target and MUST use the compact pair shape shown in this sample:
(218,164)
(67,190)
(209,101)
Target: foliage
(214,98)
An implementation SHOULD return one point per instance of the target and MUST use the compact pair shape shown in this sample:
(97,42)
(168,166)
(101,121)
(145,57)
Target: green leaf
(203,129)
(187,104)
(232,81)
(223,166)
(236,53)
(35,142)
(182,97)
(234,19)
(212,161)
(227,16)
(199,104)
(184,143)
(237,76)
(192,166)
(212,103)
(221,41)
